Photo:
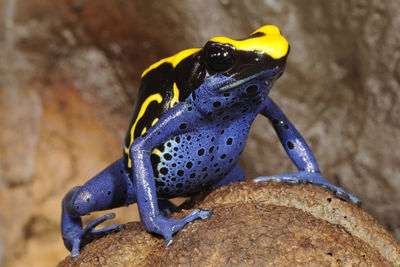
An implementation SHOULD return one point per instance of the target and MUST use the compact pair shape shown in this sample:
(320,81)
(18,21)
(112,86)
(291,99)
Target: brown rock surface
(256,225)
(69,72)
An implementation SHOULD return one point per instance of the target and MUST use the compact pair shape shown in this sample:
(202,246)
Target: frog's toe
(205,214)
(76,239)
(75,248)
(346,196)
(168,242)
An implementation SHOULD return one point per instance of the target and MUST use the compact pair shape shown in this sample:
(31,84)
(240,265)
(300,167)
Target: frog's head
(261,56)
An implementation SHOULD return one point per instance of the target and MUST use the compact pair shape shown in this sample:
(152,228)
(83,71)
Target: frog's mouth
(268,77)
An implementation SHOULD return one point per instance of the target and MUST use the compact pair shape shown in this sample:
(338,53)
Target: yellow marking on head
(174,60)
(157,152)
(175,99)
(272,42)
(143,131)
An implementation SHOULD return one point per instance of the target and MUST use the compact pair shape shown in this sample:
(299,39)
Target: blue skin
(205,134)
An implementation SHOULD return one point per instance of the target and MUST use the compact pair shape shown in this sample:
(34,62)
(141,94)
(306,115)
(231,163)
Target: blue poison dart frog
(188,129)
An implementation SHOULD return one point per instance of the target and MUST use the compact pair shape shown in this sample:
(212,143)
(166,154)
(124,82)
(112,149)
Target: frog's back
(163,85)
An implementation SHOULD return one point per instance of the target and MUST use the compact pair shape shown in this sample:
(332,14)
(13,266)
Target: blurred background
(70,69)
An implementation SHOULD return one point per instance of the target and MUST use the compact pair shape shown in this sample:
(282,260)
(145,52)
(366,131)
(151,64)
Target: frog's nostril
(252,89)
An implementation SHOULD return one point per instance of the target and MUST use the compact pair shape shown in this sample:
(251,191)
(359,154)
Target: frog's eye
(219,59)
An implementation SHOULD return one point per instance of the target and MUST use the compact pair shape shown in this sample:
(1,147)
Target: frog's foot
(167,227)
(309,178)
(75,239)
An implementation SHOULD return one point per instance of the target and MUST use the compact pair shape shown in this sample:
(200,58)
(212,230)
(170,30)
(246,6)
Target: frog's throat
(267,76)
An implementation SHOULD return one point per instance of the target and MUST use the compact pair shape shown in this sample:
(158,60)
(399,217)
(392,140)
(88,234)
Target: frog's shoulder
(163,85)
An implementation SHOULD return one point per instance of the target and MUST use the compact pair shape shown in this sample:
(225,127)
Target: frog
(188,129)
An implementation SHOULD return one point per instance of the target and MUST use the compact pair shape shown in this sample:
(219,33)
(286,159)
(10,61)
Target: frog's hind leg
(303,177)
(109,189)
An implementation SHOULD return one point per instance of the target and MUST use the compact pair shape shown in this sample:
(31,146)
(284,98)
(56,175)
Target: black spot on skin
(222,132)
(236,104)
(200,152)
(212,158)
(159,183)
(182,126)
(173,179)
(290,145)
(109,193)
(205,176)
(167,156)
(178,139)
(286,126)
(229,141)
(213,139)
(217,104)
(121,171)
(188,137)
(180,172)
(164,170)
(230,160)
(169,144)
(211,149)
(192,175)
(175,148)
(251,90)
(223,156)
(204,169)
(217,170)
(190,108)
(189,165)
(173,165)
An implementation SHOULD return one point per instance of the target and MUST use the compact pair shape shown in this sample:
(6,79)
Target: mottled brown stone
(256,225)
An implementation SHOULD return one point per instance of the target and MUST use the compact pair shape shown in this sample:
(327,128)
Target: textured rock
(256,225)
(69,72)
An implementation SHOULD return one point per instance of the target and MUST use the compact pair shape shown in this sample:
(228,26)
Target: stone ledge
(256,224)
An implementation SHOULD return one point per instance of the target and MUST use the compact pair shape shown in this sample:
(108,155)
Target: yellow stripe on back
(155,97)
(272,42)
(174,60)
(175,99)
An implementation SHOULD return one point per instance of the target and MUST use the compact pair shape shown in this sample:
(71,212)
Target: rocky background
(69,72)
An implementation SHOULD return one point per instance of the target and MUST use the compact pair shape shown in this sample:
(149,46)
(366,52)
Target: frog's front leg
(299,153)
(180,119)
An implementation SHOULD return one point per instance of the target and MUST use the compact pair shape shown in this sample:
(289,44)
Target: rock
(256,225)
